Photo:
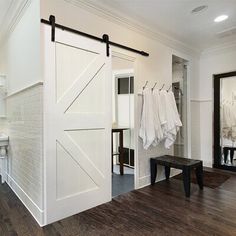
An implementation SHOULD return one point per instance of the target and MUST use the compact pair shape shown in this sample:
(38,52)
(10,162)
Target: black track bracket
(105,38)
(52,21)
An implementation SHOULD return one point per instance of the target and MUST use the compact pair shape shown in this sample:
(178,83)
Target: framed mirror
(225,121)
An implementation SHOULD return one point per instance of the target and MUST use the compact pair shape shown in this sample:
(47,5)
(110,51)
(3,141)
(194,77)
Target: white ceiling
(174,19)
(170,17)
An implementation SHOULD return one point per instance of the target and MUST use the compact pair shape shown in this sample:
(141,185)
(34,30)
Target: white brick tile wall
(25,130)
(3,124)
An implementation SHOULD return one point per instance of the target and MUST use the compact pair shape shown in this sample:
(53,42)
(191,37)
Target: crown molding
(138,27)
(13,16)
(219,49)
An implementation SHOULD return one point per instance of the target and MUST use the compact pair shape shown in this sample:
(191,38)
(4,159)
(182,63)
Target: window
(126,85)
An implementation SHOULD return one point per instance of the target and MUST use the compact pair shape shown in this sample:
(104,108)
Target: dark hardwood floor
(161,209)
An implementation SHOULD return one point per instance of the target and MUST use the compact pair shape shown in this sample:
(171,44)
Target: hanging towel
(147,128)
(173,120)
(157,117)
(170,125)
(163,114)
(178,122)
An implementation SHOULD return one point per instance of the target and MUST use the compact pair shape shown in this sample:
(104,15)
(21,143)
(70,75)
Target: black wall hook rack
(104,39)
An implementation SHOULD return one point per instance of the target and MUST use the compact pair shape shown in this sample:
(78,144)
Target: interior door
(77,124)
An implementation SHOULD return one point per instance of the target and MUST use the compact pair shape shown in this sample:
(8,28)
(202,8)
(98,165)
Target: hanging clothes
(178,122)
(163,112)
(147,128)
(170,125)
(173,120)
(160,120)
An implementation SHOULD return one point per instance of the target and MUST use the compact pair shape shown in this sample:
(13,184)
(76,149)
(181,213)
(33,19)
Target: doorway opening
(123,156)
(179,88)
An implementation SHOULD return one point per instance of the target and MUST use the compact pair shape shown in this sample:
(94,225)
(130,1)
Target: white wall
(3,124)
(2,96)
(156,67)
(21,63)
(216,62)
(22,51)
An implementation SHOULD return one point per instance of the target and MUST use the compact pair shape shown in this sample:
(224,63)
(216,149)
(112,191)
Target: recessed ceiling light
(221,18)
(199,9)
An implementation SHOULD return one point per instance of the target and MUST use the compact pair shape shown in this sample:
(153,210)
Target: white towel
(157,113)
(170,125)
(173,120)
(163,114)
(147,128)
(178,122)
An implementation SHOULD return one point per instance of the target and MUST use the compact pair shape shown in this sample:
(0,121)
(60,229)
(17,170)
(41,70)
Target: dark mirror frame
(216,146)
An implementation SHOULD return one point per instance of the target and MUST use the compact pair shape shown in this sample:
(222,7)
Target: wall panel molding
(30,86)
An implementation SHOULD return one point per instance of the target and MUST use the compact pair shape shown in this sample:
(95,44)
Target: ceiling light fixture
(199,9)
(221,18)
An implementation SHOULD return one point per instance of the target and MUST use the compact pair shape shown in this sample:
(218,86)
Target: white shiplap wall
(25,155)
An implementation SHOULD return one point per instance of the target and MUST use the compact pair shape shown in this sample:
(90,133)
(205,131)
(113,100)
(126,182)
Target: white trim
(189,115)
(124,54)
(223,48)
(146,180)
(30,86)
(32,207)
(13,16)
(201,100)
(189,64)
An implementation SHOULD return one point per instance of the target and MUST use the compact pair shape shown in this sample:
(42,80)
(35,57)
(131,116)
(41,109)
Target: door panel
(77,124)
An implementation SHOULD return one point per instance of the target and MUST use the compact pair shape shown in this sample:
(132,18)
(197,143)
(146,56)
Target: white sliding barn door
(77,124)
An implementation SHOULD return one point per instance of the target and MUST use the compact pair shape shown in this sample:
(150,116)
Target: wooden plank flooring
(154,210)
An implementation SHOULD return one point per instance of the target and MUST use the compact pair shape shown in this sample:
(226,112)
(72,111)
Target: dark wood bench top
(185,164)
(176,162)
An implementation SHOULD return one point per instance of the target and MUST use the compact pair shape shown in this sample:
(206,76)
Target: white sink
(3,140)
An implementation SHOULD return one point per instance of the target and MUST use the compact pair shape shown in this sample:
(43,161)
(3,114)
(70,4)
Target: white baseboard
(207,164)
(35,211)
(146,180)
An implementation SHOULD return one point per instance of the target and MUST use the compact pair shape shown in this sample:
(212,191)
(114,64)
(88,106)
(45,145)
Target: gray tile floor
(127,170)
(122,183)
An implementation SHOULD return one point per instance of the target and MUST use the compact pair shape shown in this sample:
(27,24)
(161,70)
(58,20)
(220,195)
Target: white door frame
(188,97)
(115,75)
(134,58)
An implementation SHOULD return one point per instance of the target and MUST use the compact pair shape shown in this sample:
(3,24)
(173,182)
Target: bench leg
(167,172)
(153,168)
(232,156)
(199,176)
(187,181)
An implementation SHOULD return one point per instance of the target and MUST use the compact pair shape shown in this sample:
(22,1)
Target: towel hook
(154,86)
(162,87)
(145,85)
(169,88)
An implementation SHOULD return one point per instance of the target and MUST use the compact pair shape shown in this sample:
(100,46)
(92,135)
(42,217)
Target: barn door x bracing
(77,124)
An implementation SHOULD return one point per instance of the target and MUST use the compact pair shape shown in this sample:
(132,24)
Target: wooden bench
(185,164)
